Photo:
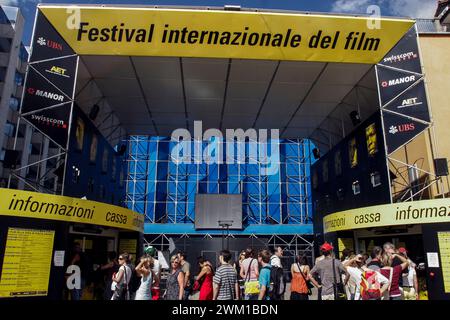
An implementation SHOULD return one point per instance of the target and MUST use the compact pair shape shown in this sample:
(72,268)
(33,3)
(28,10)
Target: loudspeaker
(441,167)
(121,150)
(11,159)
(354,116)
(94,112)
(316,153)
(59,172)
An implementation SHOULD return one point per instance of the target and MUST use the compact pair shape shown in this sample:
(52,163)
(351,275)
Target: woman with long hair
(250,274)
(205,279)
(300,276)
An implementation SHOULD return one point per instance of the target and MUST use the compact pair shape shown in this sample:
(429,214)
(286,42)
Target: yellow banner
(26,264)
(415,212)
(225,34)
(28,204)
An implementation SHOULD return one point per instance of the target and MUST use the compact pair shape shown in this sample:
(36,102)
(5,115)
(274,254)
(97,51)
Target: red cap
(402,250)
(326,247)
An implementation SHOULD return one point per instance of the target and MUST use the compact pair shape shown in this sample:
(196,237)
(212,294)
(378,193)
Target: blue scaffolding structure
(163,188)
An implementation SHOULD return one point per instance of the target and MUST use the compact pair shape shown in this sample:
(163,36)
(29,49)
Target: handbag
(309,285)
(122,288)
(250,286)
(339,291)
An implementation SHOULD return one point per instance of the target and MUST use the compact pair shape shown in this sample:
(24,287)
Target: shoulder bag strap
(301,272)
(248,271)
(335,282)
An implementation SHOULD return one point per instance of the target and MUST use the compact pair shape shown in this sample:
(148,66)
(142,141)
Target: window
(356,187)
(375,179)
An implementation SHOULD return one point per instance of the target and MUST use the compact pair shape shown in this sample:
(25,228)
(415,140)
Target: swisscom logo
(51,122)
(401,128)
(405,56)
(395,82)
(45,94)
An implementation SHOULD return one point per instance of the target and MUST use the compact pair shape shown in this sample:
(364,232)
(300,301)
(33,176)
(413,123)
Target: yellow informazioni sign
(404,213)
(132,31)
(26,204)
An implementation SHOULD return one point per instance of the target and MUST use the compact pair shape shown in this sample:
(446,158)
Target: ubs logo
(58,71)
(49,43)
(405,127)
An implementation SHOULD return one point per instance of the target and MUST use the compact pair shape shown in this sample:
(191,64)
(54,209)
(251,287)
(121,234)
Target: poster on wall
(25,247)
(412,103)
(405,54)
(105,160)
(60,72)
(53,122)
(399,130)
(444,252)
(325,171)
(79,134)
(48,43)
(40,93)
(371,140)
(353,153)
(93,150)
(394,82)
(337,163)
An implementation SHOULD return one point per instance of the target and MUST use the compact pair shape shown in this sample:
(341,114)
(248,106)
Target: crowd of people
(385,274)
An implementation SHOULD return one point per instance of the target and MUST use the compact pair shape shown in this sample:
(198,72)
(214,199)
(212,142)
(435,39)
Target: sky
(402,8)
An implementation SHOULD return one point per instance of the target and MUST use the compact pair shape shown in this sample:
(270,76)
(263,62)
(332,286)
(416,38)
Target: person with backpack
(364,283)
(266,283)
(121,279)
(250,273)
(329,269)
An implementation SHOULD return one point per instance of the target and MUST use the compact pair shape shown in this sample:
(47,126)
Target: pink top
(253,269)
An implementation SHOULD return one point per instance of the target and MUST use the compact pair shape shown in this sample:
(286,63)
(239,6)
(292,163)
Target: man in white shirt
(275,259)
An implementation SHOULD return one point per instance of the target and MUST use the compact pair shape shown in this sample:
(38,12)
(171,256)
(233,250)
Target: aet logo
(410,102)
(58,71)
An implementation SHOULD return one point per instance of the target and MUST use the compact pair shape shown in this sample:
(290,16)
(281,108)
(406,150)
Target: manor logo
(406,56)
(410,102)
(401,128)
(51,122)
(395,82)
(45,94)
(58,71)
(49,44)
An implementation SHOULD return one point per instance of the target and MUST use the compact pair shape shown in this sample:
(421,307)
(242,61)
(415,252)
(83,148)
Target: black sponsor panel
(405,54)
(40,93)
(53,122)
(48,43)
(60,72)
(399,130)
(412,103)
(393,82)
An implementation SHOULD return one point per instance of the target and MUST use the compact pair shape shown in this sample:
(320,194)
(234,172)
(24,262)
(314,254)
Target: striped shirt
(226,278)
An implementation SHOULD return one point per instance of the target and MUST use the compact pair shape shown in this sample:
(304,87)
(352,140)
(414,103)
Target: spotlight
(354,116)
(316,153)
(94,112)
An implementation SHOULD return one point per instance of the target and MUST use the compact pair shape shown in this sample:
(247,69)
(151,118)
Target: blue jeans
(251,297)
(75,294)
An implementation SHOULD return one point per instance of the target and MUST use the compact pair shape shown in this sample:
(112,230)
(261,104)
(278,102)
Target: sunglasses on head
(120,258)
